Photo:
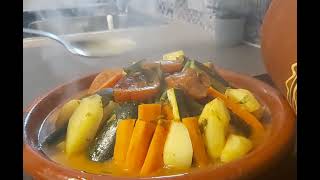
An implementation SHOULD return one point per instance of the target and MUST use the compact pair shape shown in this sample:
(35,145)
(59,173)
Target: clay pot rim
(271,150)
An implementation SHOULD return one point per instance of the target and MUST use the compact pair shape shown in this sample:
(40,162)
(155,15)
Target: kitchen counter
(46,64)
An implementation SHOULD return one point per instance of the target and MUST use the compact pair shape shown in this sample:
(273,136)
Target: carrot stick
(139,145)
(246,116)
(154,159)
(166,111)
(122,95)
(112,81)
(199,151)
(105,79)
(149,112)
(123,137)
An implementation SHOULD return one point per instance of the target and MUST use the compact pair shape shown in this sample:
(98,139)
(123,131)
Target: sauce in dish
(168,117)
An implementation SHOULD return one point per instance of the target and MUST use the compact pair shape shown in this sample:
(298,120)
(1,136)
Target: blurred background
(223,31)
(199,12)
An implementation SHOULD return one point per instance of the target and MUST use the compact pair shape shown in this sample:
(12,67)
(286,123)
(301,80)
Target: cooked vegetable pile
(175,113)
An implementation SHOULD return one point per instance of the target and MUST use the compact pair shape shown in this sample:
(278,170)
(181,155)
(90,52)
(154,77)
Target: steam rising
(61,13)
(59,65)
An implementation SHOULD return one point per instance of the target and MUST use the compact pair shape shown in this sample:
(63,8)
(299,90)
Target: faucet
(122,6)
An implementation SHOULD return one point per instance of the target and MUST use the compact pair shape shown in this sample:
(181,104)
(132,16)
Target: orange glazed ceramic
(279,47)
(277,144)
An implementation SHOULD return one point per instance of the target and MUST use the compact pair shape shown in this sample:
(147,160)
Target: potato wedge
(83,124)
(178,150)
(245,98)
(215,136)
(235,148)
(219,109)
(214,121)
(66,111)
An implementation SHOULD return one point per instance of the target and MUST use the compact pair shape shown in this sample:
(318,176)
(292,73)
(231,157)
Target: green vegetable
(177,100)
(182,106)
(135,67)
(186,64)
(103,146)
(235,148)
(56,137)
(127,110)
(106,94)
(194,108)
(178,150)
(217,82)
(84,124)
(109,110)
(164,97)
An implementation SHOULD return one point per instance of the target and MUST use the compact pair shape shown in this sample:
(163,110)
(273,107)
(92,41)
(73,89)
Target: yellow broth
(81,161)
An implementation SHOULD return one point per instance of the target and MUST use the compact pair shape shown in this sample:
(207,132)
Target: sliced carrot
(139,145)
(149,112)
(154,158)
(141,94)
(246,116)
(166,111)
(105,79)
(123,137)
(199,151)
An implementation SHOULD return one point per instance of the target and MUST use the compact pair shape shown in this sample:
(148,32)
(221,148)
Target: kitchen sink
(73,21)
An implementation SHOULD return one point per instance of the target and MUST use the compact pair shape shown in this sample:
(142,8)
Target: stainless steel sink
(71,25)
(72,21)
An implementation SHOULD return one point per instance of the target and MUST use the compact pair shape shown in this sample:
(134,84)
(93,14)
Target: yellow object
(61,146)
(214,120)
(215,136)
(235,148)
(245,98)
(178,150)
(291,87)
(66,112)
(173,101)
(218,108)
(173,55)
(84,124)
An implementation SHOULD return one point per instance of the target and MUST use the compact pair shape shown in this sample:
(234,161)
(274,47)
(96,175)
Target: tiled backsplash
(202,12)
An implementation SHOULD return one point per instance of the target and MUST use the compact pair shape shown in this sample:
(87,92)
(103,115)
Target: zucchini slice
(56,137)
(177,100)
(103,146)
(172,56)
(84,124)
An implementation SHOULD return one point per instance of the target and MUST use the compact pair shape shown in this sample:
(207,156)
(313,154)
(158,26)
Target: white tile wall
(201,12)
